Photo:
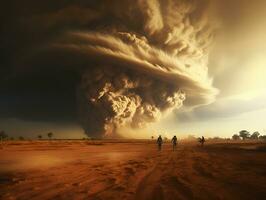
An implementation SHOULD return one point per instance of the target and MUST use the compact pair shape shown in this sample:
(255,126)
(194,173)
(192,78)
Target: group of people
(174,142)
(160,142)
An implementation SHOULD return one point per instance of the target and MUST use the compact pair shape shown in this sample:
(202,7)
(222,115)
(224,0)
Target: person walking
(174,142)
(160,142)
(202,140)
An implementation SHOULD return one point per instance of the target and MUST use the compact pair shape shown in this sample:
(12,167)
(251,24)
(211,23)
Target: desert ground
(106,170)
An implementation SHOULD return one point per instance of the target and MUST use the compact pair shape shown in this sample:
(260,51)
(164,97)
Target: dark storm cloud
(136,60)
(39,96)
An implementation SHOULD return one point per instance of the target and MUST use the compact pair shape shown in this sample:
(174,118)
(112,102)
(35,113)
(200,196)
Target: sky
(238,67)
(45,68)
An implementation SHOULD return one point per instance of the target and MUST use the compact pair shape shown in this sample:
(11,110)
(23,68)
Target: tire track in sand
(151,187)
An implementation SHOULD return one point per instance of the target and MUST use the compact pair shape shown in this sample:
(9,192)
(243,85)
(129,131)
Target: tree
(39,137)
(152,137)
(50,135)
(21,138)
(235,137)
(244,134)
(262,137)
(3,135)
(255,135)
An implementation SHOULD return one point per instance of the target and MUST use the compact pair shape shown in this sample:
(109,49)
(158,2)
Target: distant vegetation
(246,135)
(242,135)
(3,135)
(236,137)
(21,138)
(50,135)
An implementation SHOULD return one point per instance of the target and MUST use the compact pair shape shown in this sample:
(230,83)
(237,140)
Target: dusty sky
(238,67)
(35,101)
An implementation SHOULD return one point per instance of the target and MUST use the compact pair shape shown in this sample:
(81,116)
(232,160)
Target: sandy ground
(133,170)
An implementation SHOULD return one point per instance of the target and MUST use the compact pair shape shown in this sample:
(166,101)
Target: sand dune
(131,170)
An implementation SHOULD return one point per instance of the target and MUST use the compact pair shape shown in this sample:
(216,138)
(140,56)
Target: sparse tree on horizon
(255,135)
(3,136)
(262,137)
(21,138)
(244,134)
(235,137)
(39,137)
(50,135)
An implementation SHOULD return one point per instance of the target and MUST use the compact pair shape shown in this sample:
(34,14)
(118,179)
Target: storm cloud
(137,61)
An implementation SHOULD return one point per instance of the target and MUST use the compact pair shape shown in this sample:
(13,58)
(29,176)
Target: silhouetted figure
(159,142)
(202,140)
(174,142)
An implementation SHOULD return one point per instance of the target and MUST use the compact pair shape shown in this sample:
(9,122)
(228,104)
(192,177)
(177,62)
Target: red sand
(134,170)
